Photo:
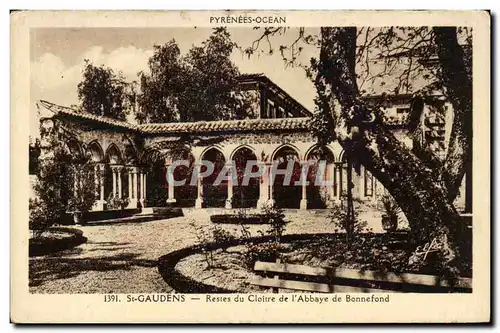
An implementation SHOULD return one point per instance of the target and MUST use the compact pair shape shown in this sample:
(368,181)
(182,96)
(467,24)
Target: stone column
(113,170)
(199,199)
(141,187)
(340,170)
(271,184)
(102,177)
(303,177)
(96,181)
(331,188)
(130,191)
(229,199)
(135,184)
(144,197)
(263,186)
(119,172)
(171,193)
(361,184)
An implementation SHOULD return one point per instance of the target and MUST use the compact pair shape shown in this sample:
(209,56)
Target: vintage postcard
(250,167)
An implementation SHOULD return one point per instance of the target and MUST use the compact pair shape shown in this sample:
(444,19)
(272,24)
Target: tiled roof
(246,125)
(228,125)
(58,109)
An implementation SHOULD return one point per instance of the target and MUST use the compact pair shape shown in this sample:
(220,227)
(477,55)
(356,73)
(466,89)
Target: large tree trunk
(457,80)
(421,196)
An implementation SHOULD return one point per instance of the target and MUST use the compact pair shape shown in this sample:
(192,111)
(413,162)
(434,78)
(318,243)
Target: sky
(57,58)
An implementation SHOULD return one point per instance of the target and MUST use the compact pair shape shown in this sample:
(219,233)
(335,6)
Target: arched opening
(156,182)
(214,195)
(320,177)
(113,157)
(185,195)
(95,151)
(356,185)
(74,149)
(287,194)
(245,196)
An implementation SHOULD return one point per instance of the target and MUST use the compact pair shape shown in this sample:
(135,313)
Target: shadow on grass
(59,266)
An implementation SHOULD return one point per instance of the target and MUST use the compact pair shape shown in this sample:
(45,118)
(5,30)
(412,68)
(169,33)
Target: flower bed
(229,268)
(55,239)
(238,219)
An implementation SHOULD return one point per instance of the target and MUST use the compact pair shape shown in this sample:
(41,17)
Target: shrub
(57,174)
(341,221)
(276,220)
(269,251)
(114,202)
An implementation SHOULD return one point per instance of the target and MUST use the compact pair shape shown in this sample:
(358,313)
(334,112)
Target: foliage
(391,207)
(276,220)
(206,235)
(201,85)
(39,220)
(115,202)
(268,251)
(343,223)
(64,183)
(34,151)
(104,93)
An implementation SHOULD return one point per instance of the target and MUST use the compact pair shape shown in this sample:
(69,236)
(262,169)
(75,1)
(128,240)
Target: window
(271,109)
(402,110)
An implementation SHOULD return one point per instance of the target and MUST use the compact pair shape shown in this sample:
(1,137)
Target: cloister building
(131,159)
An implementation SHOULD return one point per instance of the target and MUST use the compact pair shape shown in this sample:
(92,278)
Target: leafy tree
(34,154)
(422,188)
(104,93)
(65,183)
(199,86)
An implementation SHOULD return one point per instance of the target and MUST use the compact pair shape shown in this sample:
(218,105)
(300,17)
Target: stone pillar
(130,191)
(102,177)
(144,198)
(141,187)
(331,188)
(340,170)
(96,181)
(263,186)
(135,184)
(113,170)
(171,192)
(199,199)
(303,177)
(229,199)
(271,184)
(361,184)
(119,172)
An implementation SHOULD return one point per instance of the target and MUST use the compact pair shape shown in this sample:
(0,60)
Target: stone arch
(235,150)
(206,149)
(283,146)
(313,148)
(113,154)
(74,147)
(287,195)
(95,151)
(185,195)
(130,155)
(320,191)
(214,195)
(245,195)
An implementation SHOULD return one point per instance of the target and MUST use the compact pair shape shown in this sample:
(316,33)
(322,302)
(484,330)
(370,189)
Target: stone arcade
(131,159)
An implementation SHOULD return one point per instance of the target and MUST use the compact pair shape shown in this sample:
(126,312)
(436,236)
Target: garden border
(74,239)
(184,284)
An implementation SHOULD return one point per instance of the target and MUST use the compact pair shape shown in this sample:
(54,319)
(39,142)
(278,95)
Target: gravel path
(122,258)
